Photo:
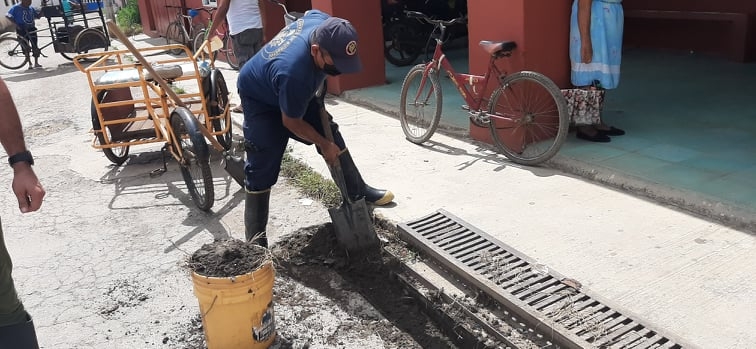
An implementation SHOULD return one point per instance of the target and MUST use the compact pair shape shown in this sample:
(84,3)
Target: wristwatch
(25,156)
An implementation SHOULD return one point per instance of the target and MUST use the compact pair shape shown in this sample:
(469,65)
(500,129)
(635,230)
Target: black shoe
(598,137)
(612,131)
(356,186)
(256,217)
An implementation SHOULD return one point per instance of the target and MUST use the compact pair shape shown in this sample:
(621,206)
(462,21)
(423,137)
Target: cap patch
(351,48)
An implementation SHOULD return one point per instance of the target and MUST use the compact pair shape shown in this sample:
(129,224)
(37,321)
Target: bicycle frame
(473,95)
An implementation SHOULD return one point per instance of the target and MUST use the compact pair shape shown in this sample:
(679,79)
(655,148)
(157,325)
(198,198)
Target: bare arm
(305,131)
(26,186)
(218,18)
(584,26)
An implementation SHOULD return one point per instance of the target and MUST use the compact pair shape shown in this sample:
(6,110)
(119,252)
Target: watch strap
(24,156)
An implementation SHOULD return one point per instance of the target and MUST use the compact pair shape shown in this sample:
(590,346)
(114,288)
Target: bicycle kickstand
(159,171)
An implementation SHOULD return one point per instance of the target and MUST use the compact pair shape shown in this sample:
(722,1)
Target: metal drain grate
(552,304)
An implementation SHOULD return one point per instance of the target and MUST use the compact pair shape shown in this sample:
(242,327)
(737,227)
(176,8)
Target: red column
(365,15)
(541,30)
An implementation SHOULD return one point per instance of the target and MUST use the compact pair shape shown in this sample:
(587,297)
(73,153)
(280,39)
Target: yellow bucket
(237,312)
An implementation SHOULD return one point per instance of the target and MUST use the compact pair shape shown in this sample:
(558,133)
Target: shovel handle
(336,173)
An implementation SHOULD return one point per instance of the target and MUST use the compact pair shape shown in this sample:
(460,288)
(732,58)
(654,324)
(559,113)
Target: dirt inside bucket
(227,258)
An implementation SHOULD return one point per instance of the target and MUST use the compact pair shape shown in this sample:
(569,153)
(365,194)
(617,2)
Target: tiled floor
(690,122)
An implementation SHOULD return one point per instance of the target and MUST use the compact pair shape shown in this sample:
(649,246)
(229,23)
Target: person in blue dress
(23,14)
(595,54)
(277,88)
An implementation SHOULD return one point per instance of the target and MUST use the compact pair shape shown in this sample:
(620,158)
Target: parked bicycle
(526,113)
(228,45)
(177,32)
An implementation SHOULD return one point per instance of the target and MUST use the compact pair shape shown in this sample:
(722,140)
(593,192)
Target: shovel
(233,164)
(351,221)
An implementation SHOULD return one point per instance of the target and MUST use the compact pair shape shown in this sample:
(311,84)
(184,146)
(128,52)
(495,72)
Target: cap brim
(347,65)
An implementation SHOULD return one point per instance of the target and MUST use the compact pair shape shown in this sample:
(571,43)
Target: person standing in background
(24,15)
(596,28)
(16,326)
(245,25)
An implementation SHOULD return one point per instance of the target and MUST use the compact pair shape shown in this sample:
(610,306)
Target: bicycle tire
(195,165)
(218,105)
(409,125)
(534,136)
(10,49)
(197,42)
(116,155)
(228,50)
(399,47)
(173,36)
(196,29)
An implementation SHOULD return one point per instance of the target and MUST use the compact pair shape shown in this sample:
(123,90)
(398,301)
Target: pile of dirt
(227,258)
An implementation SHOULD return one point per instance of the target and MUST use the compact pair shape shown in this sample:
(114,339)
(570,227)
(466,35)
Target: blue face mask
(329,69)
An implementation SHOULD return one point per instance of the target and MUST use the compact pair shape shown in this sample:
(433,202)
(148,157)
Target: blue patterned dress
(607,22)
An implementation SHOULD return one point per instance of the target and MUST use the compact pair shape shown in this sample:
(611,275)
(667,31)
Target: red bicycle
(526,113)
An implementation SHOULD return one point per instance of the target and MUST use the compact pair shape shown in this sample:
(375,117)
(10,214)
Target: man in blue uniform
(277,89)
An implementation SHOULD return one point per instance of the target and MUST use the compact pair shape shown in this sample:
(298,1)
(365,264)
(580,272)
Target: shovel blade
(234,165)
(353,226)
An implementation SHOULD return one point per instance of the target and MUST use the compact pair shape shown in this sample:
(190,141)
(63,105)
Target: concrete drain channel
(557,307)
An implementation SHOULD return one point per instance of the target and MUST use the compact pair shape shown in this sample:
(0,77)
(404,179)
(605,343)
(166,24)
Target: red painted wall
(539,27)
(365,16)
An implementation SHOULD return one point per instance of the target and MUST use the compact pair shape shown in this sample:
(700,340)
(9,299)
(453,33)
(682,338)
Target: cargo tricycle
(181,102)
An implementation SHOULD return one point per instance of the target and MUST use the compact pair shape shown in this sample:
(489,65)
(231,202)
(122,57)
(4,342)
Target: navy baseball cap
(339,38)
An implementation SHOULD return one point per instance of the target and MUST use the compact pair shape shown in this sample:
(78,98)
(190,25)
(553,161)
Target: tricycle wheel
(91,40)
(218,106)
(116,155)
(14,52)
(190,145)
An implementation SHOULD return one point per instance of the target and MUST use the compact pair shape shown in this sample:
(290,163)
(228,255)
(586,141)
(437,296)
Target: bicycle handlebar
(435,22)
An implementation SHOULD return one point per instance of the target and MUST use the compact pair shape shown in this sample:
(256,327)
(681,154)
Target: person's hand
(586,52)
(331,153)
(27,188)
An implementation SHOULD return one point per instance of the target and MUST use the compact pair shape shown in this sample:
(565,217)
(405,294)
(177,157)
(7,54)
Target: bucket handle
(211,307)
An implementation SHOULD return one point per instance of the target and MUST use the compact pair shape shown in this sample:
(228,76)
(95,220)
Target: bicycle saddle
(495,48)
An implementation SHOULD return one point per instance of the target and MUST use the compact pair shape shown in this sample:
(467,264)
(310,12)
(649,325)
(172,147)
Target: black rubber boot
(19,336)
(356,186)
(256,216)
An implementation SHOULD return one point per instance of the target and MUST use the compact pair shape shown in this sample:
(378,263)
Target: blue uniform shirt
(283,75)
(23,16)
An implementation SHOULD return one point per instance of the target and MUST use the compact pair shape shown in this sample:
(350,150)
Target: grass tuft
(308,181)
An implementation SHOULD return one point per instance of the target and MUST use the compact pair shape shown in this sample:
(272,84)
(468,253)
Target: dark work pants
(246,44)
(267,138)
(11,310)
(32,37)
